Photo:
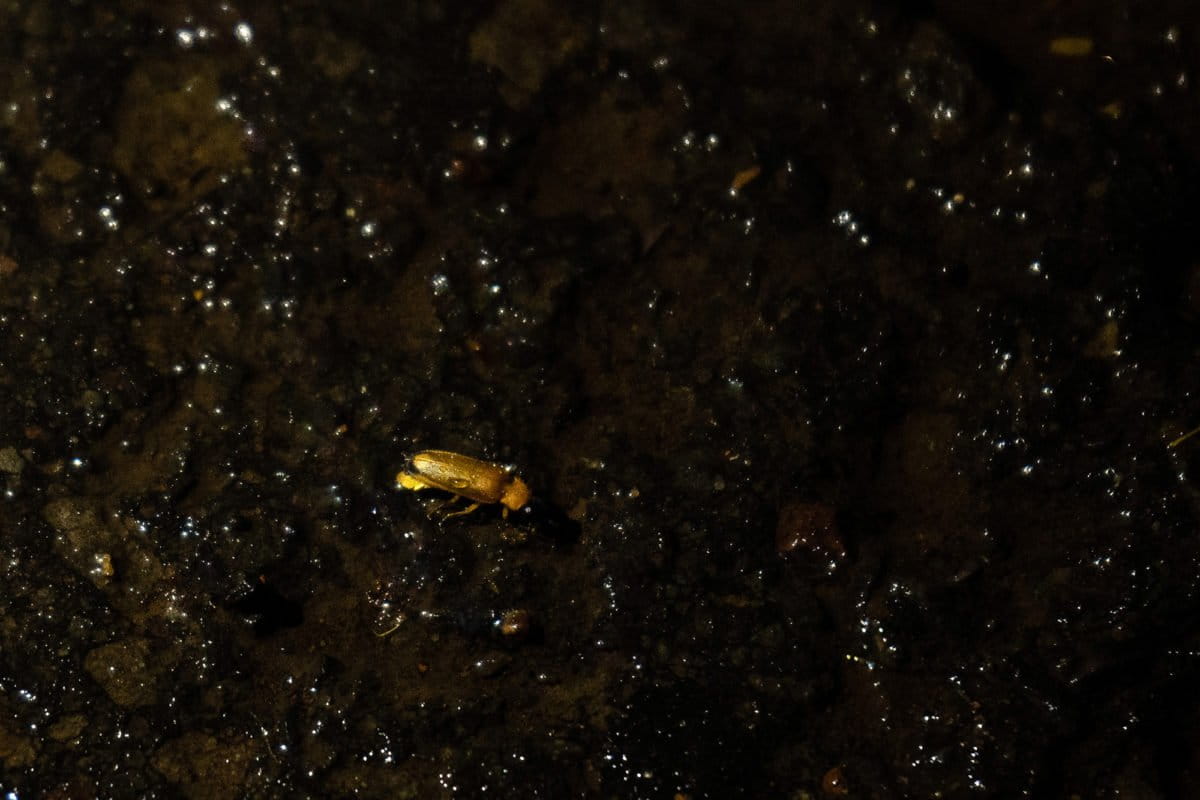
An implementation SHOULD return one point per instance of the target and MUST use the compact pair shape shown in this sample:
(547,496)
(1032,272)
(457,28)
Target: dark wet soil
(849,349)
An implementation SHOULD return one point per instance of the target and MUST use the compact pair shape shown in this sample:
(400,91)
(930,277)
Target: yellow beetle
(464,476)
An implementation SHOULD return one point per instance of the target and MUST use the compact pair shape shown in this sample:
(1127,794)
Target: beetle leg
(435,507)
(441,510)
(464,512)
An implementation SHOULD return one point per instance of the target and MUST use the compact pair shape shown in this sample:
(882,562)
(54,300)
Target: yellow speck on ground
(744,177)
(1072,46)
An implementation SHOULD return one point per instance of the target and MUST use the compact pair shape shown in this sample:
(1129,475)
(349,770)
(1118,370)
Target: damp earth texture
(848,350)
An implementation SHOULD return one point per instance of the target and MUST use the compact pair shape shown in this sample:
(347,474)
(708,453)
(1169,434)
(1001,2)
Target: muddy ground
(849,349)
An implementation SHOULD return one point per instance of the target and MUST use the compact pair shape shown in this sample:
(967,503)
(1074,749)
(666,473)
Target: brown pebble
(515,622)
(809,528)
(834,783)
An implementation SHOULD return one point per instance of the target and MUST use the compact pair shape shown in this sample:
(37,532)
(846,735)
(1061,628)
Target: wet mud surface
(849,351)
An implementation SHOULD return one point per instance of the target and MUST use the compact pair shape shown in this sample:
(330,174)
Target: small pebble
(11,461)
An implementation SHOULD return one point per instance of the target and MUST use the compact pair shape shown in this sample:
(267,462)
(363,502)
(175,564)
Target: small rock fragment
(515,622)
(205,766)
(123,670)
(67,728)
(11,461)
(16,751)
(810,529)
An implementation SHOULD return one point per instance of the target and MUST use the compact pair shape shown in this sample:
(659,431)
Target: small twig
(1184,438)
